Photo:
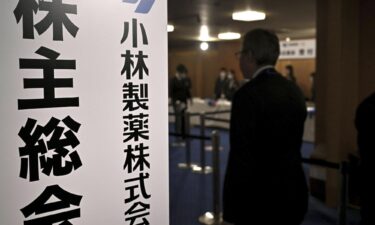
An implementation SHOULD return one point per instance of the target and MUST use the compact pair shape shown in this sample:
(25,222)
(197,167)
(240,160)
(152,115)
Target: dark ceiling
(288,18)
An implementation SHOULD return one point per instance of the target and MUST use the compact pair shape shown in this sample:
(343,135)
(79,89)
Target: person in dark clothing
(220,84)
(264,181)
(180,86)
(188,85)
(290,73)
(180,94)
(231,85)
(312,79)
(365,124)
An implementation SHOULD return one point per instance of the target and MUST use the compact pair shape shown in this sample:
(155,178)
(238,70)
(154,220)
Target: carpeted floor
(191,193)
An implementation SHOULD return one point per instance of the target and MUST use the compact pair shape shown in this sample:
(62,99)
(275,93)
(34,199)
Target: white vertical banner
(84,112)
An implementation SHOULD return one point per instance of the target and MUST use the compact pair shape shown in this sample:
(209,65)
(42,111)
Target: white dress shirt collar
(261,69)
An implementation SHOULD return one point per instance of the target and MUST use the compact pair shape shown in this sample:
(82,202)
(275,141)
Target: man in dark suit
(264,182)
(365,124)
(220,84)
(180,94)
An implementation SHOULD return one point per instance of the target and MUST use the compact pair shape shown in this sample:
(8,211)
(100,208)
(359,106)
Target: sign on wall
(298,49)
(83,93)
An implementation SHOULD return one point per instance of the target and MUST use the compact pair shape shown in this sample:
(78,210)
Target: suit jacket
(264,181)
(365,124)
(220,87)
(179,90)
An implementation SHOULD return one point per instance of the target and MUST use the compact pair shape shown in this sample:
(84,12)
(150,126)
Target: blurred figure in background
(220,84)
(231,85)
(312,80)
(289,73)
(188,85)
(180,94)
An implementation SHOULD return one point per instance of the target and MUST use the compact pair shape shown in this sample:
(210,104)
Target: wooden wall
(204,67)
(302,70)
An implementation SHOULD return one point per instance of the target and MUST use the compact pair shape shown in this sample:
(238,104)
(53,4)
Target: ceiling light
(204,46)
(170,28)
(204,33)
(287,39)
(229,36)
(248,16)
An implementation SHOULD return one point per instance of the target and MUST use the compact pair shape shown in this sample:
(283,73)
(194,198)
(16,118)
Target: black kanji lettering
(25,10)
(136,127)
(135,33)
(40,206)
(141,67)
(34,155)
(57,17)
(140,159)
(48,82)
(142,209)
(135,96)
(139,184)
(128,64)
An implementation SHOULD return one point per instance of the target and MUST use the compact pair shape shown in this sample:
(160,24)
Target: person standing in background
(264,181)
(220,84)
(231,85)
(289,73)
(180,94)
(312,80)
(188,85)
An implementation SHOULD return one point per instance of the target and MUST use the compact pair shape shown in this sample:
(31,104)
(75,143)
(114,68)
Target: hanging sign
(298,49)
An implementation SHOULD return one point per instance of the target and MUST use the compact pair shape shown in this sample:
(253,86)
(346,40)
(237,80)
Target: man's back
(280,112)
(365,124)
(264,169)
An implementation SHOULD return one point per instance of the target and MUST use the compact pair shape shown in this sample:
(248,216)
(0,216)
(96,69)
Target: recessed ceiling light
(287,39)
(229,36)
(204,46)
(204,33)
(248,15)
(170,28)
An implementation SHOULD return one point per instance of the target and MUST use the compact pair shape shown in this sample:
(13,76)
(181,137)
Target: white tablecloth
(200,105)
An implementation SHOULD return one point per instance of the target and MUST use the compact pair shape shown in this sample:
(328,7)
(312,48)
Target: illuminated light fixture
(287,39)
(204,46)
(204,33)
(248,15)
(229,36)
(170,28)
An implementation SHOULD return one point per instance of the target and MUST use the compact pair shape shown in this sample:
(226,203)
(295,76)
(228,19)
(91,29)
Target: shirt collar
(261,69)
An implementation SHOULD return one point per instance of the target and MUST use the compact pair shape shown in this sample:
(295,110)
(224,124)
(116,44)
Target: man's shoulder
(367,105)
(364,117)
(370,100)
(245,93)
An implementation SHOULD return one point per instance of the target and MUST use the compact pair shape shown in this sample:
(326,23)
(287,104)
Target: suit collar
(261,69)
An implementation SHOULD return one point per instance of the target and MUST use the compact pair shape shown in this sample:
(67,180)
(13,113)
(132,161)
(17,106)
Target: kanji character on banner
(139,185)
(135,96)
(140,159)
(48,82)
(135,33)
(34,155)
(40,206)
(136,127)
(56,17)
(138,207)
